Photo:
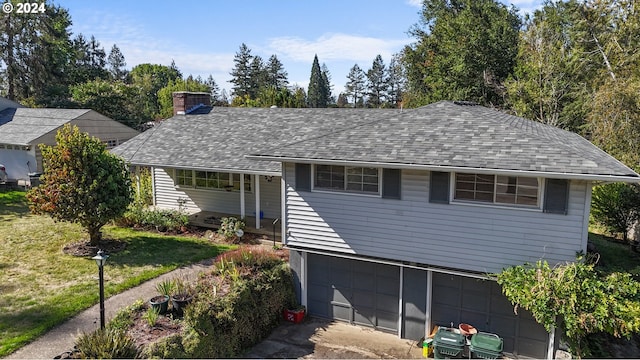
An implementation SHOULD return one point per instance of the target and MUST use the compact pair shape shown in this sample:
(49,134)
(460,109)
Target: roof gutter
(546,174)
(235,171)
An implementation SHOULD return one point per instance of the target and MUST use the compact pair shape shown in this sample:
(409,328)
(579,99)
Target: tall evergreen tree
(326,78)
(258,76)
(377,83)
(214,90)
(396,81)
(317,91)
(241,72)
(276,75)
(35,51)
(116,64)
(356,85)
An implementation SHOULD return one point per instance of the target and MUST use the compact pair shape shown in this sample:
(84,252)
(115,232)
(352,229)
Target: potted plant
(181,296)
(161,302)
(295,315)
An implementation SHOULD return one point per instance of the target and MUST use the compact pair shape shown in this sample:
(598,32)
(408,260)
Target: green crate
(486,345)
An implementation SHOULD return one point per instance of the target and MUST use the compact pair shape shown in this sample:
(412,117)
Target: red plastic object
(294,316)
(467,329)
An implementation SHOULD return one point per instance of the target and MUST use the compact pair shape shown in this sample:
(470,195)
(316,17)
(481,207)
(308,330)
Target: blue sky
(203,36)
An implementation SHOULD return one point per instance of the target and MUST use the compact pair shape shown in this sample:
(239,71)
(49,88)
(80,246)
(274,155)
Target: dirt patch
(84,248)
(144,333)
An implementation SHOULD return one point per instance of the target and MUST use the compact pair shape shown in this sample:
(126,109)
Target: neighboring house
(397,223)
(198,158)
(23,129)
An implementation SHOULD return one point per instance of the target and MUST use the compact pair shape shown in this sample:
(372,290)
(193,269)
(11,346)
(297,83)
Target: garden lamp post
(100,259)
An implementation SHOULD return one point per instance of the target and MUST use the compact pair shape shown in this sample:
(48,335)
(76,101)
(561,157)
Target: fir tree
(317,94)
(355,86)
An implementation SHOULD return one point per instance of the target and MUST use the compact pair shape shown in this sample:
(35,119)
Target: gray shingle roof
(23,125)
(220,139)
(446,134)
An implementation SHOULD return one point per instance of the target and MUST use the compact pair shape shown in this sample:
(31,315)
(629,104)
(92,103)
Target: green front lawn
(40,286)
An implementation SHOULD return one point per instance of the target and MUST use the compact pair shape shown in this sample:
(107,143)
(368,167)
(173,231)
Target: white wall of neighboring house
(19,161)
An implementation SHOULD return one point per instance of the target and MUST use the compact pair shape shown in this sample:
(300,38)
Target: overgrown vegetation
(218,325)
(575,298)
(616,207)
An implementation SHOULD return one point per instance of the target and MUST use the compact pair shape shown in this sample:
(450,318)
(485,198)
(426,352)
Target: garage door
(458,299)
(359,292)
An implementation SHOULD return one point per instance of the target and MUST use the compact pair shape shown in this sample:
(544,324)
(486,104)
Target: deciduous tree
(82,183)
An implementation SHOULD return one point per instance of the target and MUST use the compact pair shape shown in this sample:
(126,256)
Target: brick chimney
(185,101)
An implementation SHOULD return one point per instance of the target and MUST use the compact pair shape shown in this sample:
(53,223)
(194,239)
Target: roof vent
(466,103)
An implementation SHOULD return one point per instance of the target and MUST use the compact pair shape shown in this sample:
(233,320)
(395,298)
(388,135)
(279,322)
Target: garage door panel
(483,306)
(364,316)
(340,312)
(363,299)
(387,320)
(444,295)
(364,281)
(361,292)
(341,295)
(318,308)
(477,319)
(445,315)
(475,301)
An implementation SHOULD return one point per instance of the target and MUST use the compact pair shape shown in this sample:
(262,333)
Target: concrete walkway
(62,337)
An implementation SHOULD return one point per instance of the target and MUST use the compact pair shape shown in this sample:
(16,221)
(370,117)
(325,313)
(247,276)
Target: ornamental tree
(82,183)
(574,297)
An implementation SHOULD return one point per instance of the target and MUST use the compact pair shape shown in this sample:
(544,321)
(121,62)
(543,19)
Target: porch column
(257,185)
(242,209)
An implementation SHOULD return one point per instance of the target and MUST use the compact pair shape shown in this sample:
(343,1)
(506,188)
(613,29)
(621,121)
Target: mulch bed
(84,248)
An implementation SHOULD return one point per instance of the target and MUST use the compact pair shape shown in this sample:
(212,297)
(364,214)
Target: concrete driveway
(325,339)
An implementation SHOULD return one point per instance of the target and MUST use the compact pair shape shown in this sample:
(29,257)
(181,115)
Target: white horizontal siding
(167,196)
(475,238)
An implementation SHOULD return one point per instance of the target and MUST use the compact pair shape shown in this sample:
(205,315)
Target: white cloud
(334,47)
(415,3)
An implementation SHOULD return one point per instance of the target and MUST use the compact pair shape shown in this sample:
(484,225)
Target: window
(498,189)
(211,180)
(184,177)
(347,178)
(111,143)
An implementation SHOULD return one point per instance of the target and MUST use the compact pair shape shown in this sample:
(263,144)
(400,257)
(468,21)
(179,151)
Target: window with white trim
(211,180)
(497,189)
(365,180)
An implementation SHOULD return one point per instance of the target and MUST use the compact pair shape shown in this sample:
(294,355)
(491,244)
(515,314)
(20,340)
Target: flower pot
(179,302)
(294,316)
(160,303)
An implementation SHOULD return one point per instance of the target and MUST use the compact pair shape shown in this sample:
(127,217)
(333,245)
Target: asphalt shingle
(21,126)
(443,134)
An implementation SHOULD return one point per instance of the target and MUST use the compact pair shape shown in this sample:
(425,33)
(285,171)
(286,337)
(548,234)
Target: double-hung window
(364,180)
(498,189)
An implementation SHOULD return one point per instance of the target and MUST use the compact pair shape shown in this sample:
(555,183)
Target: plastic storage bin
(448,343)
(486,346)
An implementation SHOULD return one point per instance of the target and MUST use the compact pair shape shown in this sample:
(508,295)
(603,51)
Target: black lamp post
(100,259)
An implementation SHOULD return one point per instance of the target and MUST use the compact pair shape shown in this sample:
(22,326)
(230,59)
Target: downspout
(257,177)
(242,207)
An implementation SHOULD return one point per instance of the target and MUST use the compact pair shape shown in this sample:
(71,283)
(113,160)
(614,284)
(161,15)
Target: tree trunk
(94,234)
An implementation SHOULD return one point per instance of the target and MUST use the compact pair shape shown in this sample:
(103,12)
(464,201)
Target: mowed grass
(40,286)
